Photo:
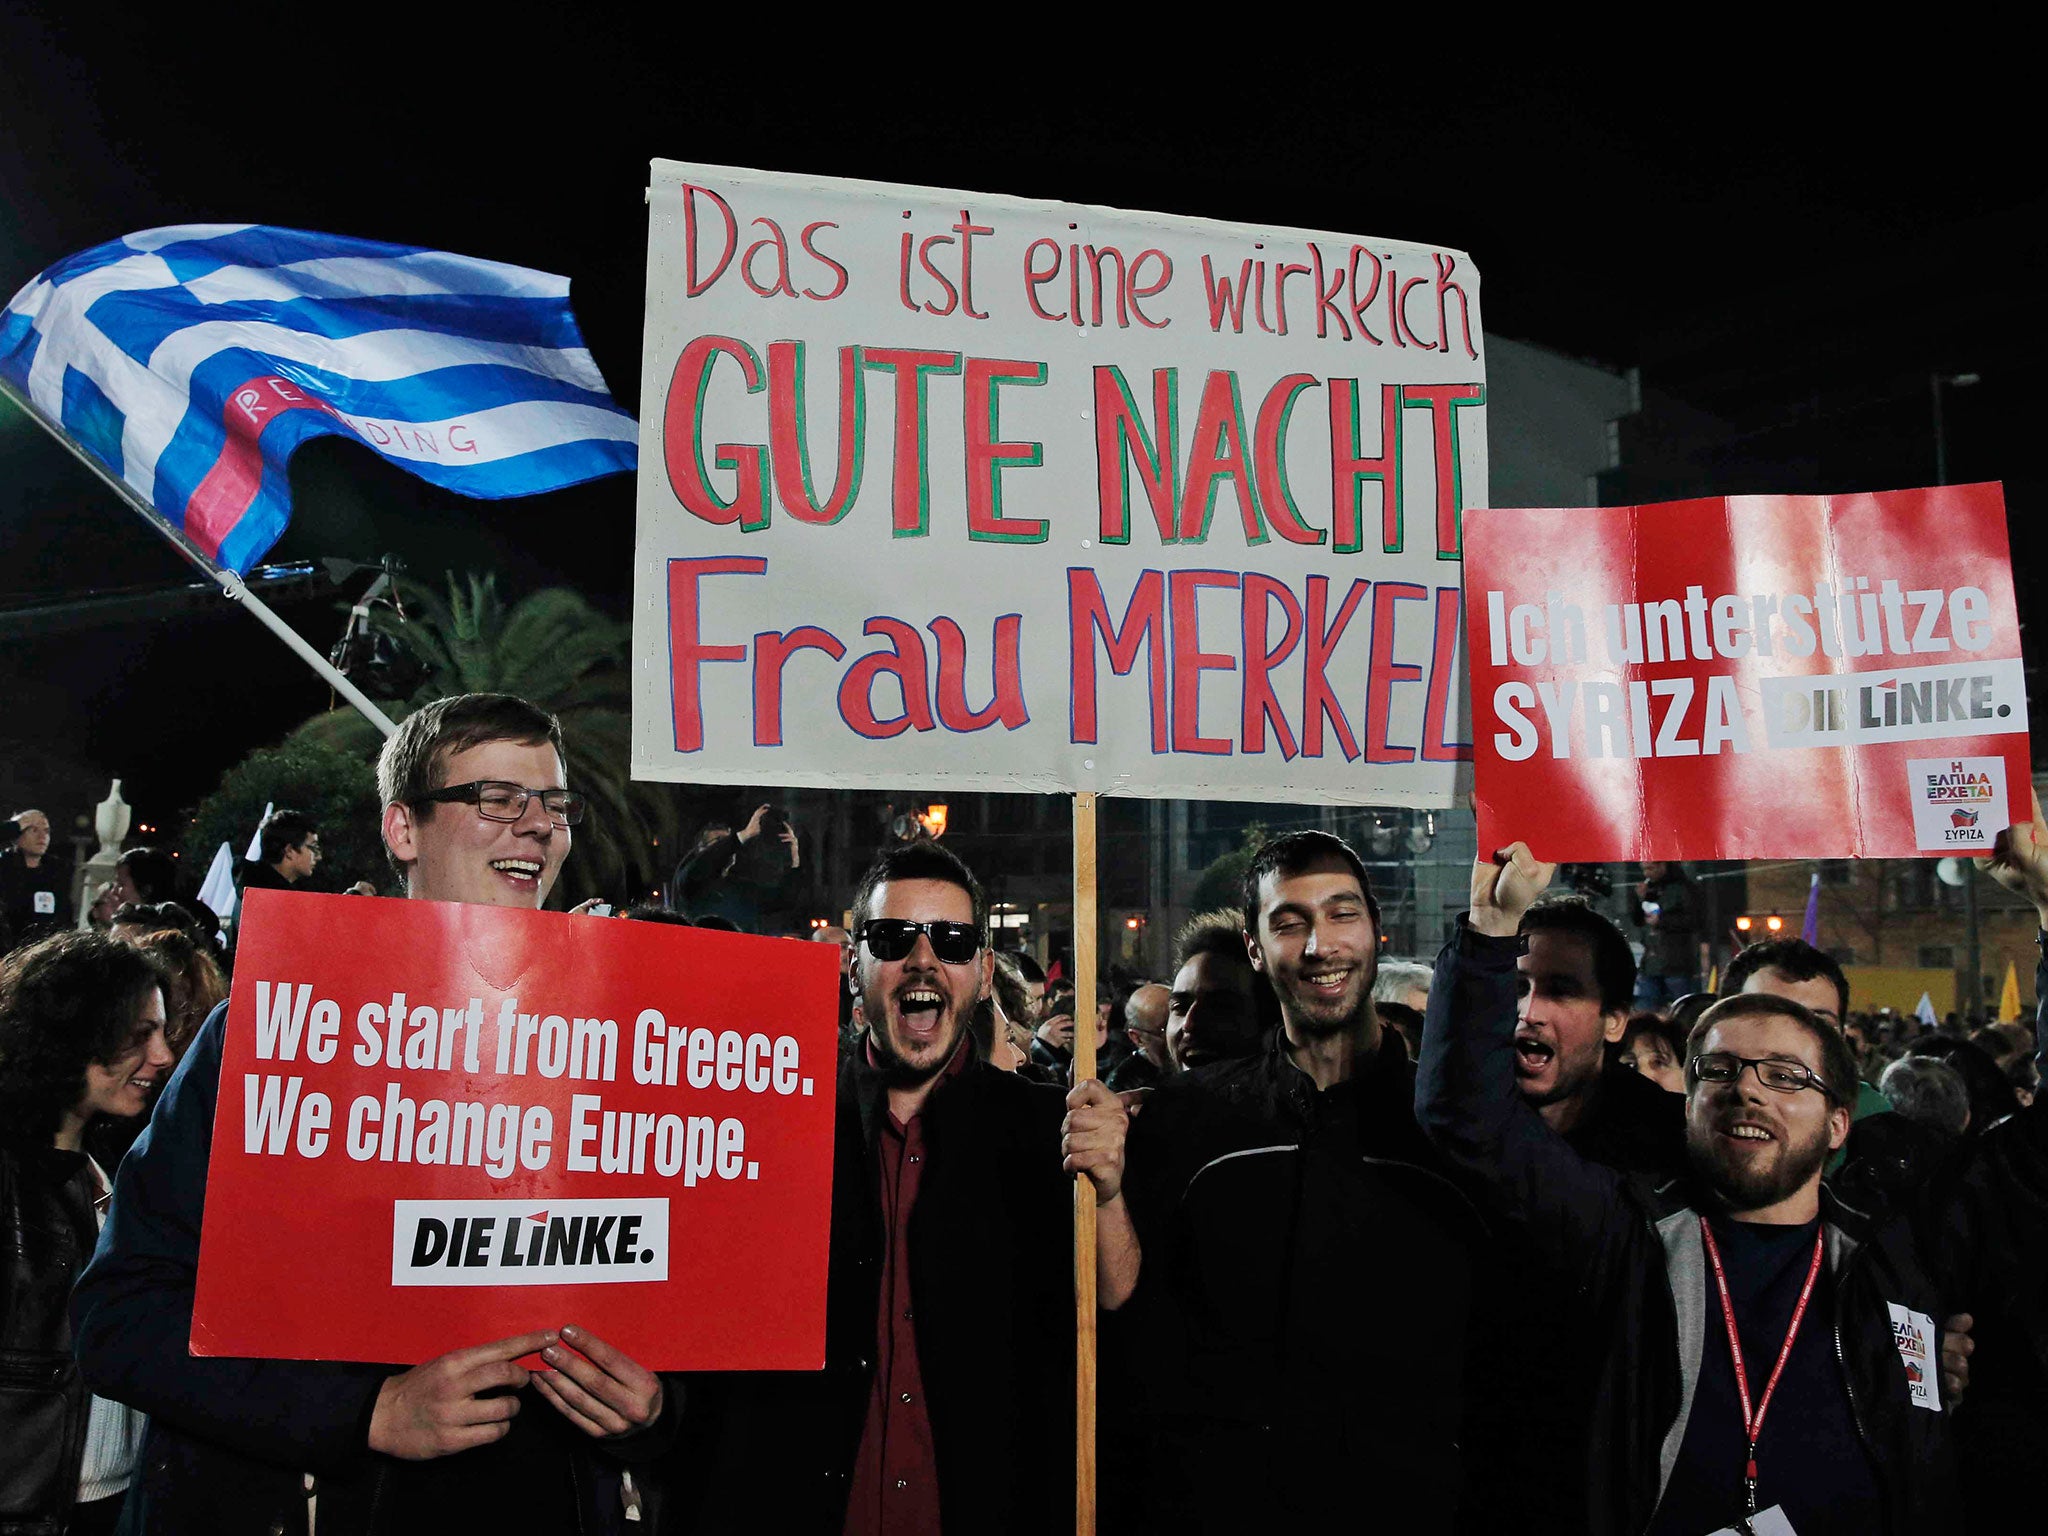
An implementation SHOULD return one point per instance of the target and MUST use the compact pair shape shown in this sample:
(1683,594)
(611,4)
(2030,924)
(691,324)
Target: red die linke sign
(469,1122)
(1752,677)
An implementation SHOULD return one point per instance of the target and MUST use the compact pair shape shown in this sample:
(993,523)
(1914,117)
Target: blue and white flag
(191,361)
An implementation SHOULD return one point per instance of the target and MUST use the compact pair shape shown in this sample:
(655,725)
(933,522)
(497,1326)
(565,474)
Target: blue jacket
(232,1441)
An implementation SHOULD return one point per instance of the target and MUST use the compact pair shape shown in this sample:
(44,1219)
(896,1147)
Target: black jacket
(46,1235)
(1991,1239)
(1302,1299)
(1530,1401)
(230,1440)
(991,1273)
(1635,1254)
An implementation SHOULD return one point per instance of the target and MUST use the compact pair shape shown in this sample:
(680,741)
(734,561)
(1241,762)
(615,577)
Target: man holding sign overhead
(476,810)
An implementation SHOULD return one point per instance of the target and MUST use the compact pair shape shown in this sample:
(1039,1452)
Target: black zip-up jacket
(1302,1300)
(1635,1254)
(46,1235)
(991,1276)
(230,1441)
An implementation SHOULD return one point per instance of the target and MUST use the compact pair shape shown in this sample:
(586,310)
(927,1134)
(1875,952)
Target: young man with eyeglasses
(476,809)
(1770,1360)
(946,1401)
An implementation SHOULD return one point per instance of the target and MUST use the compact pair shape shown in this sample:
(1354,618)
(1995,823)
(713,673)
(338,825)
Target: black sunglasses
(891,938)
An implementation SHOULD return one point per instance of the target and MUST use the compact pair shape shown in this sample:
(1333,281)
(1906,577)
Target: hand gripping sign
(442,1124)
(1753,677)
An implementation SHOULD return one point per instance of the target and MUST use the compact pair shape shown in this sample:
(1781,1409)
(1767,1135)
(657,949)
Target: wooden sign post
(1084,1190)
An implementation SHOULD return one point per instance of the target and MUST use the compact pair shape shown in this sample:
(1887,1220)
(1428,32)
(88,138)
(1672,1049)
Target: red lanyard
(1753,1419)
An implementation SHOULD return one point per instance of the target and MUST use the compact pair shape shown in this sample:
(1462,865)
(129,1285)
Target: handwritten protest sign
(441,1124)
(953,491)
(1754,677)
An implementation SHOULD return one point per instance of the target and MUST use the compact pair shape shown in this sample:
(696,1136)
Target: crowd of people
(1535,1237)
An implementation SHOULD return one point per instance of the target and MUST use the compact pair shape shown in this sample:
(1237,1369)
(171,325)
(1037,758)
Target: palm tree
(554,649)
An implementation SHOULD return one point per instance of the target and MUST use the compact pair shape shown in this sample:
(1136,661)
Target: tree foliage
(1222,883)
(557,651)
(334,787)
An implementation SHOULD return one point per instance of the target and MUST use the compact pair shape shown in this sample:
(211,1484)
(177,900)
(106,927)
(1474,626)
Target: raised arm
(1466,1098)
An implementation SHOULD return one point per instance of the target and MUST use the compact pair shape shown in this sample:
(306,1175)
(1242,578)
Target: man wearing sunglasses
(946,1400)
(1770,1357)
(476,809)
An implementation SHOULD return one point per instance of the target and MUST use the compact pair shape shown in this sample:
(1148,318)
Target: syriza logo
(528,1242)
(1958,802)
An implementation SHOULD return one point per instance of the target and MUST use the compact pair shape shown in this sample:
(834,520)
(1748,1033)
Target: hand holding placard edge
(2020,863)
(438,1409)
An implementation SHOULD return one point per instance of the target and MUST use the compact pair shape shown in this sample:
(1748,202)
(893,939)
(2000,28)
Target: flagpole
(230,584)
(1084,1190)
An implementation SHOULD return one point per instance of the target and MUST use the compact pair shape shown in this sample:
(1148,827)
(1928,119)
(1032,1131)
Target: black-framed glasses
(1778,1076)
(891,938)
(495,800)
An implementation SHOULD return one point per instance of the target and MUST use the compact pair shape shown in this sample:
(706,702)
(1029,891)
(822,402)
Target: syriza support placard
(441,1125)
(1750,677)
(958,491)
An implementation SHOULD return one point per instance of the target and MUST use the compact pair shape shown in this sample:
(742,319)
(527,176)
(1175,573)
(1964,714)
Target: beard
(1752,1183)
(899,1070)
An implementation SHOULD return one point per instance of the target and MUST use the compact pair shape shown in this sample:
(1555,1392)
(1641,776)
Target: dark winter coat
(991,1275)
(46,1235)
(1635,1253)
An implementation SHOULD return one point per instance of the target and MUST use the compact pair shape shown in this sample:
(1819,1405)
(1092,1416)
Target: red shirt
(896,1474)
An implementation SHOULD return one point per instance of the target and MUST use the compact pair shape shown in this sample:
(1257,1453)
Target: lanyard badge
(1753,1418)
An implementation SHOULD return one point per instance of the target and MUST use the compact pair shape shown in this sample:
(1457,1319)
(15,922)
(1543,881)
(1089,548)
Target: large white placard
(950,491)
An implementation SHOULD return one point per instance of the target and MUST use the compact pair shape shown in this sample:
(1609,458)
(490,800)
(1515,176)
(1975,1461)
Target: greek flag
(191,361)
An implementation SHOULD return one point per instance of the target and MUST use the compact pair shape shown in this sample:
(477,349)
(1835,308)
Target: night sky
(1792,248)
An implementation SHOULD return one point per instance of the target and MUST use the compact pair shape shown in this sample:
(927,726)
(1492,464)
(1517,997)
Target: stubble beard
(1742,1188)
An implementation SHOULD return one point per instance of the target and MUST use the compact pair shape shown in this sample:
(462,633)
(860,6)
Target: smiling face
(1212,1013)
(452,852)
(1753,1146)
(1317,945)
(1561,1032)
(915,1008)
(122,1087)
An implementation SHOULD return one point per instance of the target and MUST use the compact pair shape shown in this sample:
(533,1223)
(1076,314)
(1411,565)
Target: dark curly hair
(65,1002)
(194,984)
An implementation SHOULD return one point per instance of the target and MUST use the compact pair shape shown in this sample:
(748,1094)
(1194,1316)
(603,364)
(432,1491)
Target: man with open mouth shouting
(1770,1357)
(476,809)
(946,1401)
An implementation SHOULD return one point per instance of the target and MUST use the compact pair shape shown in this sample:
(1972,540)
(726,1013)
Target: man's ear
(1838,1127)
(398,833)
(1613,1025)
(988,974)
(1251,947)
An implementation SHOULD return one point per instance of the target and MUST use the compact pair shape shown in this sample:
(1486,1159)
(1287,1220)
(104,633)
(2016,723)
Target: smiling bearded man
(1766,1354)
(949,1323)
(1289,1216)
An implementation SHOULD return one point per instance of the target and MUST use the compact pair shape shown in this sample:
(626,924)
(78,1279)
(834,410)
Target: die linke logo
(528,1242)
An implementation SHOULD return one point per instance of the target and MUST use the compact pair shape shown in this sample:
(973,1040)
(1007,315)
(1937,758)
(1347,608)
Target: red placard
(623,1125)
(1750,677)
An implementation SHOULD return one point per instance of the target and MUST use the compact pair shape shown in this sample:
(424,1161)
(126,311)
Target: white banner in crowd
(948,491)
